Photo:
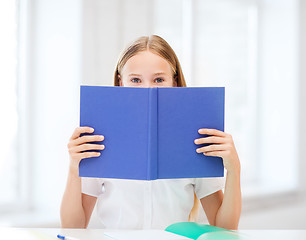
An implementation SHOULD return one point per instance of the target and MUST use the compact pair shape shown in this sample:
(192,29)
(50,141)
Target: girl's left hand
(221,145)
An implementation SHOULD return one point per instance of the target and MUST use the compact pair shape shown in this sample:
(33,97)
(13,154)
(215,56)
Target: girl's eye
(159,80)
(135,80)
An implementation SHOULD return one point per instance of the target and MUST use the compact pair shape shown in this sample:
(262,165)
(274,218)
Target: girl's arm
(223,210)
(76,208)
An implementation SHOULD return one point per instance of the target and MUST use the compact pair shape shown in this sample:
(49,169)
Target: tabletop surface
(93,234)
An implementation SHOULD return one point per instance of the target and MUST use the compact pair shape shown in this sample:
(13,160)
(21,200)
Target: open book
(179,231)
(150,132)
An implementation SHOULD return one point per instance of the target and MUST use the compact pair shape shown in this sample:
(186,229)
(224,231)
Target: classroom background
(255,48)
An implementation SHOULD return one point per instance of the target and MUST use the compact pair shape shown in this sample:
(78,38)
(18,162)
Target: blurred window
(8,103)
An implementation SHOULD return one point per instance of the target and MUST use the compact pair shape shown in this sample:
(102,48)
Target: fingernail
(91,129)
(198,150)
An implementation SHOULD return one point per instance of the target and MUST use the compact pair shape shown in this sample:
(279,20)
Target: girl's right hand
(77,145)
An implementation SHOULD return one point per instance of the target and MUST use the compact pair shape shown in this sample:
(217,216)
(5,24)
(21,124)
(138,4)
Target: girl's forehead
(146,61)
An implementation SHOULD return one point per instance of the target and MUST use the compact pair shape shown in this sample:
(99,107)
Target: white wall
(278,84)
(302,95)
(108,27)
(284,211)
(50,88)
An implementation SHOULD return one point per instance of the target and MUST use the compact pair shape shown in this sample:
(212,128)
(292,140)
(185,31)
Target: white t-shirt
(138,204)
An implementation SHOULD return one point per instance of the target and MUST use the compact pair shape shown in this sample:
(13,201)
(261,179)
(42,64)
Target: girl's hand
(77,145)
(221,145)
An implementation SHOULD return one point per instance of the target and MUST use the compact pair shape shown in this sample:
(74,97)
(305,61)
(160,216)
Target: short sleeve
(206,186)
(92,186)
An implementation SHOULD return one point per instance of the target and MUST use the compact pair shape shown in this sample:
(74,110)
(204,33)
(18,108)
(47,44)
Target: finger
(215,153)
(79,130)
(88,154)
(213,147)
(209,140)
(215,132)
(87,147)
(88,138)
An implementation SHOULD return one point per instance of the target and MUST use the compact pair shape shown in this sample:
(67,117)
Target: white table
(94,234)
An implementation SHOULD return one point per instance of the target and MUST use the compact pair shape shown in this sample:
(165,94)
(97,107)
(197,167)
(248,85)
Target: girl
(135,204)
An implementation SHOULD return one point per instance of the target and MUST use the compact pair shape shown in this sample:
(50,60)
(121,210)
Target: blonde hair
(159,46)
(156,45)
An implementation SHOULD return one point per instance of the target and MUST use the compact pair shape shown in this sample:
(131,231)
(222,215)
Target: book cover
(150,132)
(199,231)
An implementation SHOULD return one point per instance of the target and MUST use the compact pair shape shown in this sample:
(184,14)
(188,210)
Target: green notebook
(198,231)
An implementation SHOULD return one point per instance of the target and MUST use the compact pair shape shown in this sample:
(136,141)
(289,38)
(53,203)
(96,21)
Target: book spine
(152,134)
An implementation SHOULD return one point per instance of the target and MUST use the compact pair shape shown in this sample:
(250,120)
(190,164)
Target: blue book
(150,132)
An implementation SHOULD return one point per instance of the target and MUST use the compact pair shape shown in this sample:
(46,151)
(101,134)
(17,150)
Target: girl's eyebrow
(134,74)
(159,73)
